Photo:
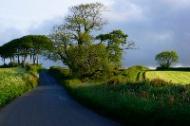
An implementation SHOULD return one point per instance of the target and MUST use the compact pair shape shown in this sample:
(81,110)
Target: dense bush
(33,68)
(117,80)
(63,73)
(158,82)
(88,61)
(9,65)
(173,69)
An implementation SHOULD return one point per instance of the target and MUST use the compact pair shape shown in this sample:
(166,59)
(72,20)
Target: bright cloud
(25,14)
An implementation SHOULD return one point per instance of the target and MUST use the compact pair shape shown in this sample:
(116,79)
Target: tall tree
(40,43)
(167,58)
(82,20)
(77,29)
(75,42)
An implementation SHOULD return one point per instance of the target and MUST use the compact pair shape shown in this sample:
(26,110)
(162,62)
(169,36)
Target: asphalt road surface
(49,105)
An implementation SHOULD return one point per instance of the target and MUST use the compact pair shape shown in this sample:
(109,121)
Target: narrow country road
(49,105)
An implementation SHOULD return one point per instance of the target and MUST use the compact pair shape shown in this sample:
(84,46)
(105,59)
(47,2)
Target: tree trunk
(24,60)
(4,61)
(18,58)
(37,59)
(34,59)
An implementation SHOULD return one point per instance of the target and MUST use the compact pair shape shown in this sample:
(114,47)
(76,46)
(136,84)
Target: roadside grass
(14,82)
(176,77)
(153,102)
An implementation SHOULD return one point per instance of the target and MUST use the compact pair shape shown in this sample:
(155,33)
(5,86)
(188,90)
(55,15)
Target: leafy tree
(116,42)
(77,29)
(39,44)
(167,58)
(87,61)
(77,46)
(21,48)
(82,21)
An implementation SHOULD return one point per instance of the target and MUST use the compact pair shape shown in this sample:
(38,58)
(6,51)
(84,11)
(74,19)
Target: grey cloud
(162,26)
(45,27)
(9,33)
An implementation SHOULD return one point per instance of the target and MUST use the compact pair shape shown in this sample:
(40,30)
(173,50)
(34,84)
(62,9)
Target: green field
(14,82)
(176,77)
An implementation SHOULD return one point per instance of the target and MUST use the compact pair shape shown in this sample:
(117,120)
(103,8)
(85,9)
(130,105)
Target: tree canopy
(28,46)
(167,58)
(79,46)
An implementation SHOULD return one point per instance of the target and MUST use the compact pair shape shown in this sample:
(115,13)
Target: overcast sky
(155,25)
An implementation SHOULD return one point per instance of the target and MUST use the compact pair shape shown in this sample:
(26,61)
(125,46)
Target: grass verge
(16,81)
(144,103)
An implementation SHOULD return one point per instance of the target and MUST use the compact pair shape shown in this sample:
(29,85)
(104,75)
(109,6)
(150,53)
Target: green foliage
(142,103)
(116,41)
(117,80)
(134,73)
(138,68)
(14,82)
(21,48)
(11,64)
(87,61)
(158,82)
(76,45)
(33,69)
(167,58)
(61,72)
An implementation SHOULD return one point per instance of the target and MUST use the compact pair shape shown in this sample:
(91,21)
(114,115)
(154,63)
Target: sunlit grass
(14,82)
(176,77)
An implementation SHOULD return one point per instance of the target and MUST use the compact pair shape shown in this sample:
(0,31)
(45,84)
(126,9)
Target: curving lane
(49,105)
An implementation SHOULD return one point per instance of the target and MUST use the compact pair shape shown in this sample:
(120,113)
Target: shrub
(11,64)
(72,82)
(117,80)
(86,61)
(33,68)
(138,68)
(158,82)
(133,73)
(60,71)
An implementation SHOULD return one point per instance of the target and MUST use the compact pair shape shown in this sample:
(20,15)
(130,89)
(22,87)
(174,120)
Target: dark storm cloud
(154,25)
(163,26)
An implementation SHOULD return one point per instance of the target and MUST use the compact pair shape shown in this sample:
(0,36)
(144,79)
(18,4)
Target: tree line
(79,44)
(30,46)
